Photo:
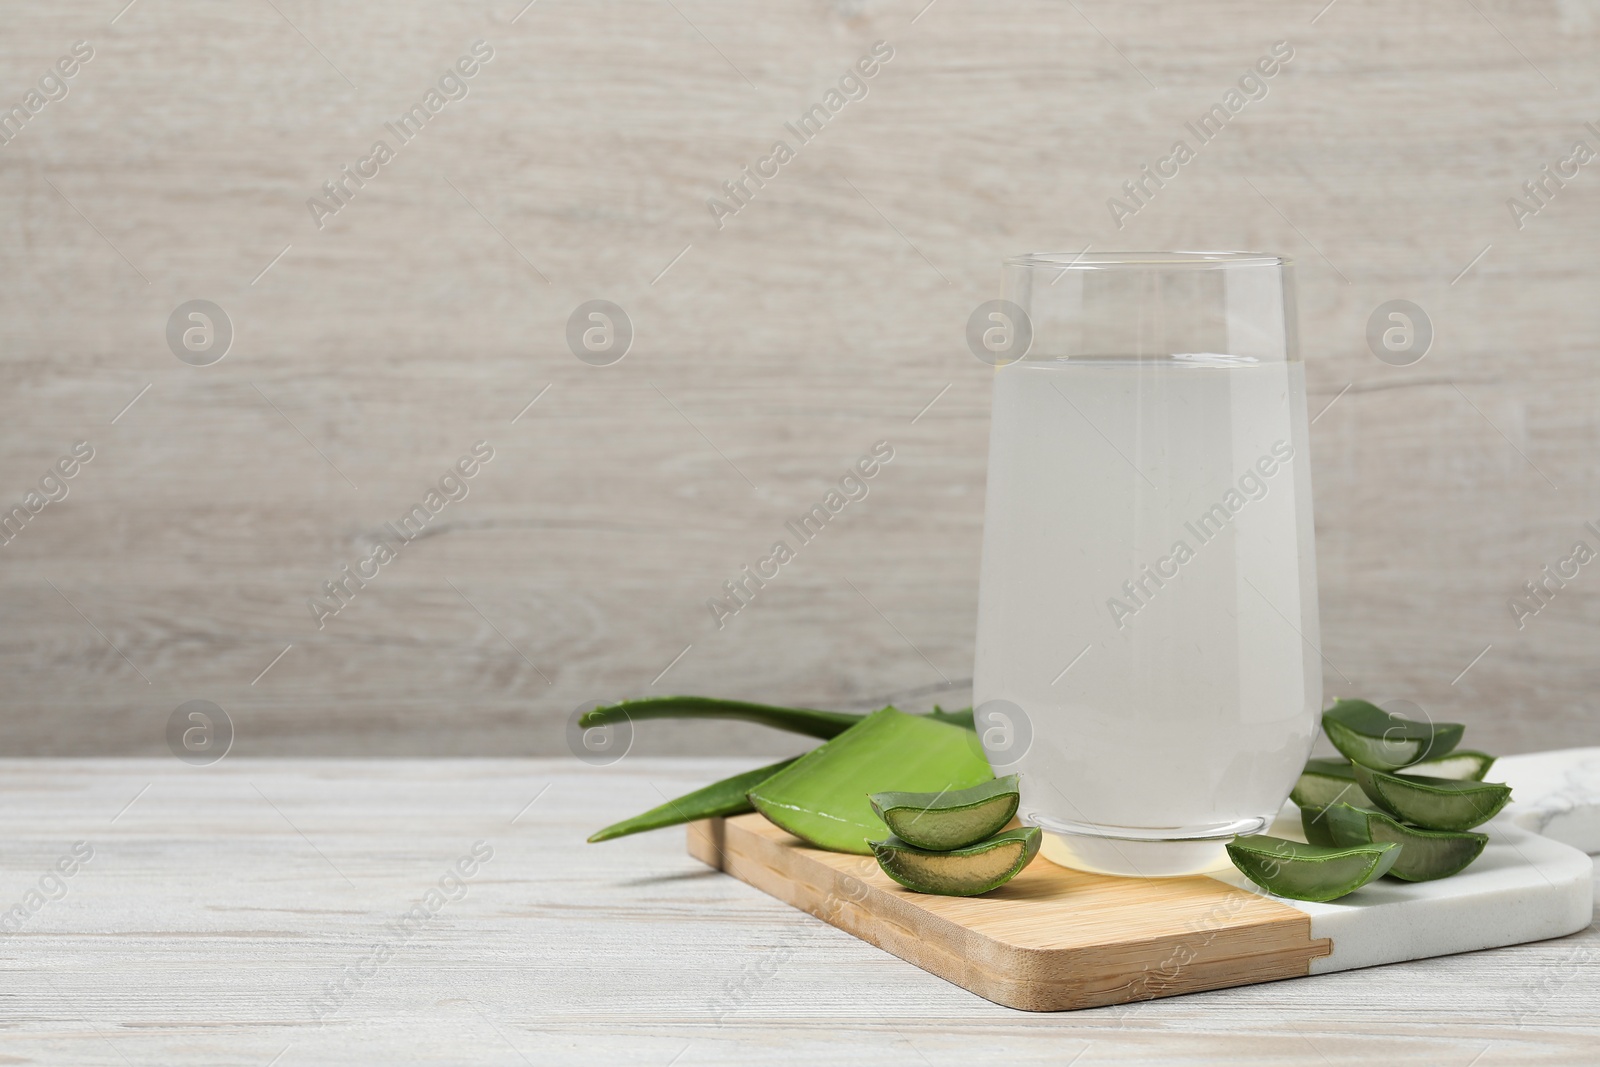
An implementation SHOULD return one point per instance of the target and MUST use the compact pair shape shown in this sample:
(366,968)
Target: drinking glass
(1147,614)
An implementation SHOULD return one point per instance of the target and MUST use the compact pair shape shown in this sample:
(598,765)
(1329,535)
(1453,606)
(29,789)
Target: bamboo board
(1055,939)
(1051,940)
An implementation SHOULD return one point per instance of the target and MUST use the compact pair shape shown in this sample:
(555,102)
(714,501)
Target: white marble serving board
(1534,880)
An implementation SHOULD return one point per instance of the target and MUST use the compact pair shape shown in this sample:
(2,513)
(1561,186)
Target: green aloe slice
(727,797)
(1424,854)
(822,797)
(962,872)
(1309,872)
(1462,763)
(808,721)
(1314,821)
(1372,737)
(1433,803)
(1325,782)
(953,819)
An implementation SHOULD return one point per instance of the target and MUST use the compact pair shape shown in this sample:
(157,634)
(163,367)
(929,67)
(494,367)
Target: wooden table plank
(219,905)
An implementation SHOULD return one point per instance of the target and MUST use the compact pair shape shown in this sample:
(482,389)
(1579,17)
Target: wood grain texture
(825,316)
(1051,939)
(223,900)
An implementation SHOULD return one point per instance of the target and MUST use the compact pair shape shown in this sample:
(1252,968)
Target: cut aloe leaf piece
(1424,854)
(952,819)
(724,798)
(1309,872)
(1325,782)
(808,721)
(962,872)
(1314,821)
(1433,803)
(821,798)
(1463,764)
(1372,737)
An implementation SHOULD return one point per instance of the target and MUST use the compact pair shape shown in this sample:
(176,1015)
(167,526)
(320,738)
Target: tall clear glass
(1147,615)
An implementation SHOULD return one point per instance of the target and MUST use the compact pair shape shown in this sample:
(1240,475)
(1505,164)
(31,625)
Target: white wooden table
(221,904)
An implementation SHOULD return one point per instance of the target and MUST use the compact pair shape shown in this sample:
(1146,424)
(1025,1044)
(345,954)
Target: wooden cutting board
(1055,939)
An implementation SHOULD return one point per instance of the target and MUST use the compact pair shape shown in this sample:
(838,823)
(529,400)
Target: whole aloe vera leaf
(812,723)
(822,797)
(808,721)
(727,797)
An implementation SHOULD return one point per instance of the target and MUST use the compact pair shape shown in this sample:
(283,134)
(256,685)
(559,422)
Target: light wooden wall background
(822,318)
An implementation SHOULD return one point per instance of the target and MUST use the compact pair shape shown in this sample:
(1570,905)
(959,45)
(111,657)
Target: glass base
(1144,857)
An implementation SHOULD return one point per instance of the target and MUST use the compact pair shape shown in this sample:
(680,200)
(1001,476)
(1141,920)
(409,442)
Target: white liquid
(1193,707)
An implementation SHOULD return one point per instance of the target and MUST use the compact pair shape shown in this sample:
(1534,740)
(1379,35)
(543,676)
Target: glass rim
(1147,260)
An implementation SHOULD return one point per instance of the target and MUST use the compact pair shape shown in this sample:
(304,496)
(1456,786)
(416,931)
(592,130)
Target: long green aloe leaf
(808,721)
(822,797)
(823,724)
(727,797)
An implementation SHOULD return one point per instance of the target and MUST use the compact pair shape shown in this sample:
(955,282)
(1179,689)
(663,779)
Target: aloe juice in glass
(1147,625)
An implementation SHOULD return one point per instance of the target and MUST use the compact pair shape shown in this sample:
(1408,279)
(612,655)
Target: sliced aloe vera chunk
(1309,872)
(822,797)
(961,872)
(1433,803)
(1424,854)
(727,797)
(1325,782)
(953,819)
(1463,764)
(1372,737)
(1314,821)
